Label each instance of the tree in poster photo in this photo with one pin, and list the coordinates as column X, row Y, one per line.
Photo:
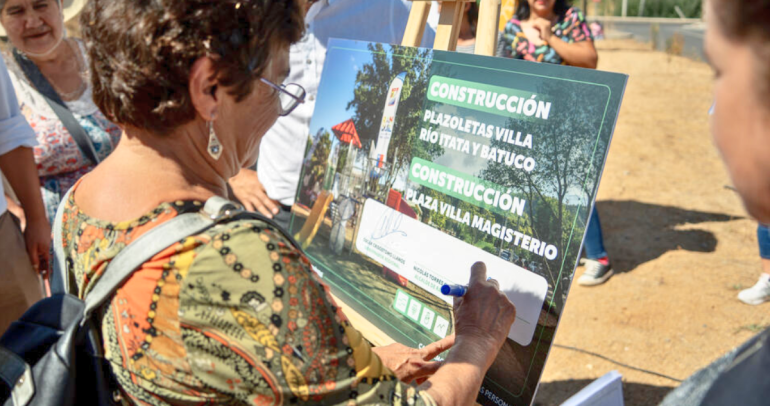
column 371, row 90
column 316, row 168
column 568, row 153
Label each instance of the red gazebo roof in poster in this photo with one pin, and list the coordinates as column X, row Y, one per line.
column 347, row 134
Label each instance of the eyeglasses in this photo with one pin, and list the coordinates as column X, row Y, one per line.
column 291, row 95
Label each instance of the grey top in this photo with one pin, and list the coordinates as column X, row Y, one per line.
column 692, row 391
column 466, row 49
column 738, row 377
column 470, row 49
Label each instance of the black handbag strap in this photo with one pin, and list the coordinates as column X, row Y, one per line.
column 58, row 106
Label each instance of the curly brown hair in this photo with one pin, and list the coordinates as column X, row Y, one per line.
column 141, row 52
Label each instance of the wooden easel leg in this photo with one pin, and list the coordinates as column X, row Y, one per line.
column 415, row 27
column 449, row 25
column 486, row 30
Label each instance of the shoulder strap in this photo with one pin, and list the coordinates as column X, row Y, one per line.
column 140, row 251
column 159, row 238
column 58, row 106
column 216, row 210
column 59, row 279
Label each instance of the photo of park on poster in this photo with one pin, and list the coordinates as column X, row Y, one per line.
column 418, row 160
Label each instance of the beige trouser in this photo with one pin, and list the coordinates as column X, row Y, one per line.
column 19, row 285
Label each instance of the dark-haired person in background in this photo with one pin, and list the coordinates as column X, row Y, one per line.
column 737, row 45
column 466, row 39
column 551, row 31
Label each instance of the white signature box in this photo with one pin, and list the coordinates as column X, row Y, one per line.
column 430, row 258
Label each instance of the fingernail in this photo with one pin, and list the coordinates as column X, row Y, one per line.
column 275, row 211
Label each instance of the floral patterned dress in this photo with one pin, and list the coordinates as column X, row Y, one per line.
column 60, row 163
column 570, row 28
column 233, row 316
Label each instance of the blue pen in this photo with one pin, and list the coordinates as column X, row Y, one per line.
column 455, row 290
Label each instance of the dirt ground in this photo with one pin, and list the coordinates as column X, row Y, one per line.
column 678, row 237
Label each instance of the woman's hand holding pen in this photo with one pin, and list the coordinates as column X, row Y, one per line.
column 484, row 314
column 483, row 317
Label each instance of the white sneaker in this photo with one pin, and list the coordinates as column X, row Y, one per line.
column 595, row 273
column 758, row 293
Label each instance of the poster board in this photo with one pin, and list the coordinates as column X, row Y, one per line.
column 462, row 158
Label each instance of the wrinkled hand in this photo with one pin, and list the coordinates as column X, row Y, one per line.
column 251, row 194
column 37, row 236
column 411, row 364
column 484, row 315
column 544, row 27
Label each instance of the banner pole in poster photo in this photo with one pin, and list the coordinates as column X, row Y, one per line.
column 380, row 154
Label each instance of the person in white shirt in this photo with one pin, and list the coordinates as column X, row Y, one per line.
column 271, row 189
column 21, row 255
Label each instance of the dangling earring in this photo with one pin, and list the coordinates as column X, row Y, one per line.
column 215, row 147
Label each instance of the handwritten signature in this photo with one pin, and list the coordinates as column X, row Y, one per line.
column 388, row 224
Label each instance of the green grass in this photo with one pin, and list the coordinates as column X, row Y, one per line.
column 488, row 247
column 752, row 328
column 653, row 8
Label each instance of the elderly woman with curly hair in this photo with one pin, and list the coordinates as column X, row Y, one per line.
column 50, row 73
column 233, row 315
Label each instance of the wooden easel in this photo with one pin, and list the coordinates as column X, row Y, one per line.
column 449, row 25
